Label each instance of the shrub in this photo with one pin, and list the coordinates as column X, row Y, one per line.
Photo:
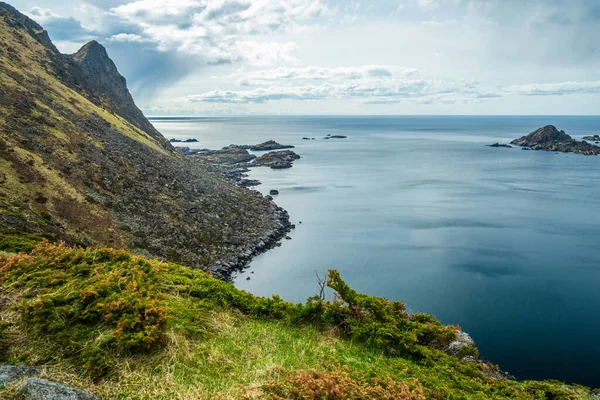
column 468, row 351
column 338, row 384
column 383, row 323
column 88, row 302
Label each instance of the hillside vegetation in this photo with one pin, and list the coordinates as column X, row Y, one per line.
column 126, row 327
column 80, row 163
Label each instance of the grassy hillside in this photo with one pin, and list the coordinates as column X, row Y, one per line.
column 76, row 165
column 125, row 327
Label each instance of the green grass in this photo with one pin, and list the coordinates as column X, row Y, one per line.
column 12, row 242
column 125, row 327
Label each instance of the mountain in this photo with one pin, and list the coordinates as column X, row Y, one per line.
column 79, row 162
column 107, row 88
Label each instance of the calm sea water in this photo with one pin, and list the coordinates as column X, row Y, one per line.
column 504, row 242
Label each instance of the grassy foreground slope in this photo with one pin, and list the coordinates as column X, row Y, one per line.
column 126, row 327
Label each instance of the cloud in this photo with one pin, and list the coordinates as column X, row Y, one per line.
column 223, row 31
column 555, row 89
column 367, row 84
column 128, row 37
column 295, row 75
column 61, row 28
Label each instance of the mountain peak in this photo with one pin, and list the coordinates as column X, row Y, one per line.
column 13, row 17
column 103, row 82
column 92, row 47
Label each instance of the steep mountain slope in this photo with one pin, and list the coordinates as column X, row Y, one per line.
column 107, row 88
column 80, row 162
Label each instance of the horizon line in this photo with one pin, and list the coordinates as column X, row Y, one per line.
column 369, row 115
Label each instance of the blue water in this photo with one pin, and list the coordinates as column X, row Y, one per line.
column 504, row 242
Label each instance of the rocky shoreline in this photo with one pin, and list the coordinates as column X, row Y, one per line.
column 224, row 270
column 234, row 162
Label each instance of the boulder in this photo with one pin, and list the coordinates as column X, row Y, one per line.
column 274, row 192
column 41, row 389
column 11, row 374
column 463, row 339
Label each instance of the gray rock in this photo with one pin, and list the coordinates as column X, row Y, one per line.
column 269, row 145
column 462, row 340
column 10, row 374
column 41, row 389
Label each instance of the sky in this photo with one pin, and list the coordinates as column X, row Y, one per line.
column 337, row 57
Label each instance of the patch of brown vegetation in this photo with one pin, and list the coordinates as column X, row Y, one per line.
column 338, row 384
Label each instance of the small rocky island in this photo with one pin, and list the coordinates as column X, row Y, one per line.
column 549, row 138
column 234, row 161
column 594, row 138
column 277, row 159
column 269, row 145
column 184, row 141
column 500, row 145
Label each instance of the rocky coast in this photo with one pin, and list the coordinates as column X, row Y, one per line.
column 235, row 161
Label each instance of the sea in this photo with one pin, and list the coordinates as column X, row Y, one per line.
column 503, row 242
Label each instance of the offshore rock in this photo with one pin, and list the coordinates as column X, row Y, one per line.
column 594, row 138
column 549, row 138
column 277, row 159
column 269, row 145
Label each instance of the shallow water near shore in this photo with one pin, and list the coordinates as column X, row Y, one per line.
column 504, row 242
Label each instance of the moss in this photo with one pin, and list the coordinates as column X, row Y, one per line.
column 17, row 242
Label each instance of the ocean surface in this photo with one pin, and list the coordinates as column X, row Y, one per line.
column 503, row 242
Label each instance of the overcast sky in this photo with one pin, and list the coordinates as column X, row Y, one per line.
column 214, row 57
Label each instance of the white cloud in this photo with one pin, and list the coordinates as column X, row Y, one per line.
column 223, row 31
column 367, row 84
column 296, row 75
column 556, row 89
column 128, row 37
column 65, row 29
column 42, row 15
